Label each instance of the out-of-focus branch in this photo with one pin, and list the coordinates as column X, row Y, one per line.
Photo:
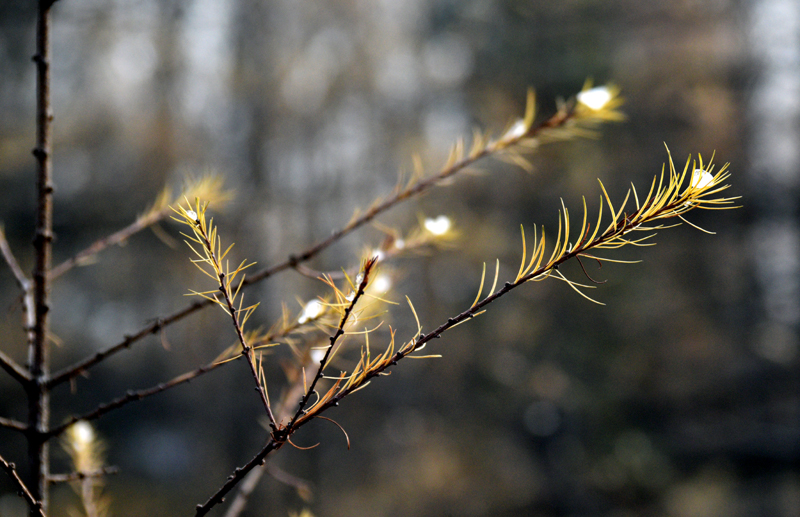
column 76, row 369
column 131, row 396
column 14, row 369
column 22, row 281
column 207, row 187
column 10, row 423
column 34, row 505
column 115, row 238
column 79, row 476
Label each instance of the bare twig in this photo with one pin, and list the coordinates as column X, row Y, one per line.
column 79, row 476
column 157, row 325
column 22, row 281
column 131, row 396
column 10, row 423
column 237, row 476
column 14, row 369
column 34, row 505
column 25, row 286
column 115, row 238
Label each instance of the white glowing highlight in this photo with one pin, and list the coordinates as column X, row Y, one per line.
column 382, row 283
column 517, row 130
column 439, row 225
column 399, row 244
column 310, row 311
column 192, row 214
column 595, row 98
column 82, row 434
column 701, row 178
column 317, row 355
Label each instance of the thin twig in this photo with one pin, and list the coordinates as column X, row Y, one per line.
column 115, row 238
column 132, row 396
column 157, row 325
column 79, row 476
column 14, row 369
column 237, row 476
column 183, row 378
column 22, row 281
column 10, row 423
column 22, row 490
column 250, row 481
column 25, row 286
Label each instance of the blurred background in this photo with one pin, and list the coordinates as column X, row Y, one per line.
column 679, row 397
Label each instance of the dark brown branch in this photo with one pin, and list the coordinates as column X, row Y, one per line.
column 37, row 392
column 250, row 481
column 339, row 333
column 22, row 490
column 76, row 369
column 132, row 396
column 282, row 435
column 236, row 477
column 79, row 476
column 115, row 238
column 10, row 423
column 559, row 119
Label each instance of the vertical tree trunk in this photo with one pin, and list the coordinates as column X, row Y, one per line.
column 38, row 396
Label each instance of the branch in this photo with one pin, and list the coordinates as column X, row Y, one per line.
column 250, row 481
column 38, row 348
column 208, row 187
column 236, row 477
column 115, row 238
column 25, row 286
column 14, row 369
column 666, row 201
column 76, row 369
column 339, row 333
column 281, row 435
column 22, row 490
column 132, row 396
column 547, row 128
column 22, row 281
column 79, row 476
column 10, row 423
